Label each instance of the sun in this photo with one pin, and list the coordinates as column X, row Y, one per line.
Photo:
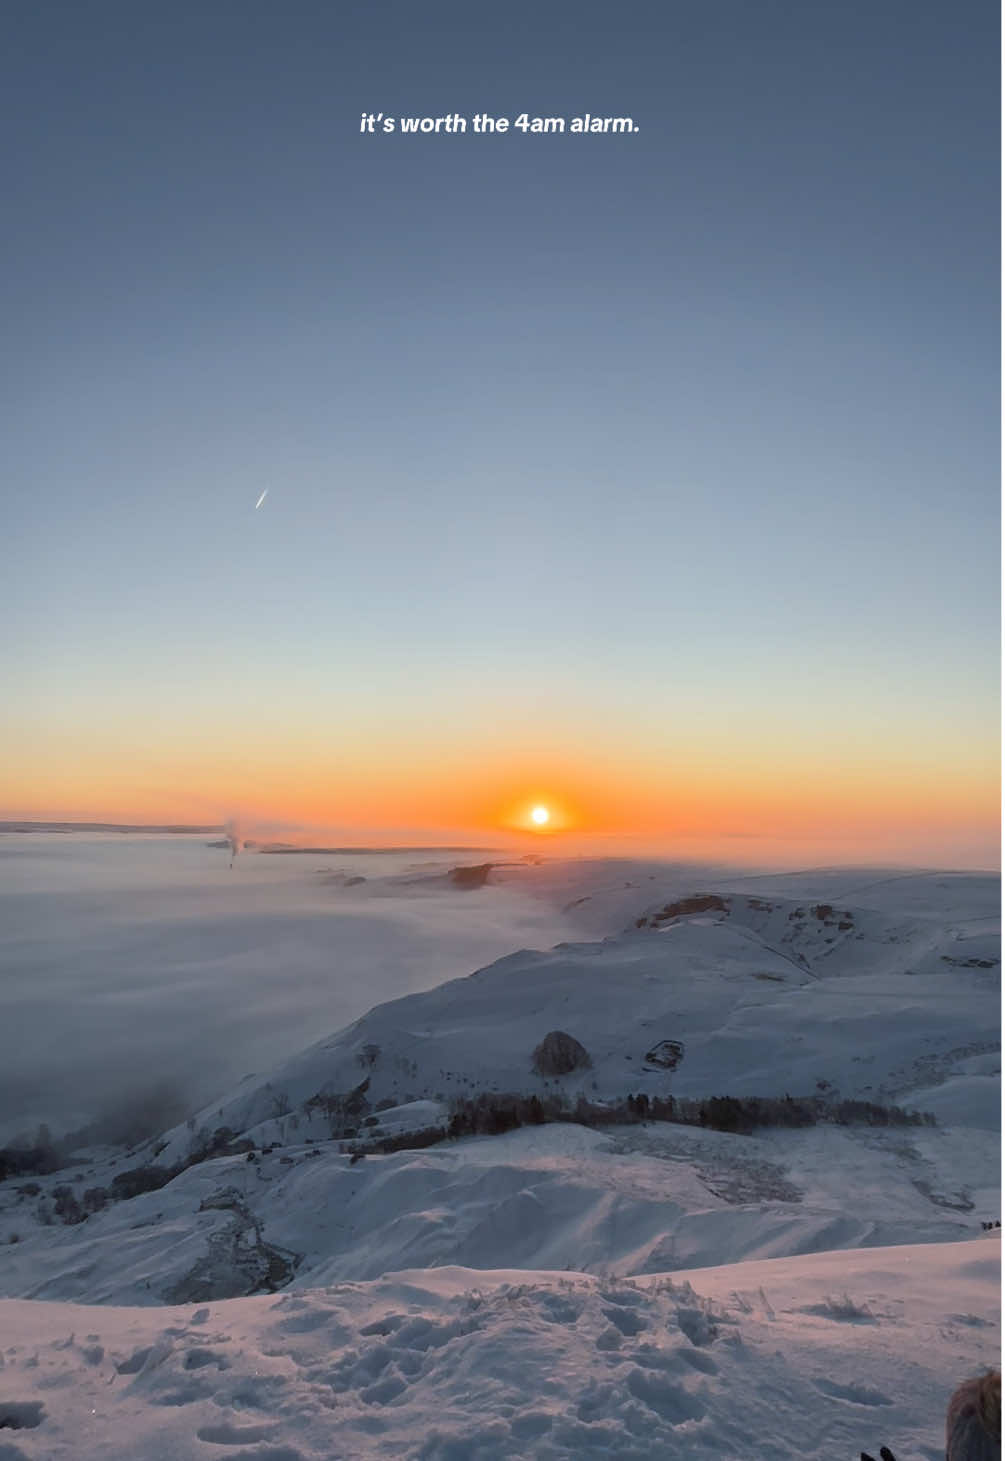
column 539, row 812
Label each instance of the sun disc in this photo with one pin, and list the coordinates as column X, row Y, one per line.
column 539, row 816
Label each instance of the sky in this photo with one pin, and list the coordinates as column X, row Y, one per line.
column 651, row 477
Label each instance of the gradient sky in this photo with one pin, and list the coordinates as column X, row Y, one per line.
column 651, row 476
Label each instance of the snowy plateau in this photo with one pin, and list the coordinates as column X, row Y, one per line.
column 324, row 1265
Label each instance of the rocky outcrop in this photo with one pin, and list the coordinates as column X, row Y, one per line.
column 667, row 1055
column 238, row 1261
column 471, row 877
column 684, row 908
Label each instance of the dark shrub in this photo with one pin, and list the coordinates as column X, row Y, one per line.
column 30, row 1160
column 560, row 1054
column 344, row 1109
column 684, row 908
column 66, row 1207
column 141, row 1179
column 94, row 1199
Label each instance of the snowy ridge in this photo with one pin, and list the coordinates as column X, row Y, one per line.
column 762, row 992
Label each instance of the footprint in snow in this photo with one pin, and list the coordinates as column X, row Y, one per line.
column 184, row 1395
column 855, row 1394
column 384, row 1391
column 698, row 1360
column 198, row 1359
column 388, row 1325
column 305, row 1323
column 146, row 1358
column 624, row 1298
column 267, row 1453
column 651, row 1357
column 626, row 1320
column 670, row 1402
column 530, row 1425
column 696, row 1326
column 560, row 1308
column 21, row 1415
column 225, row 1434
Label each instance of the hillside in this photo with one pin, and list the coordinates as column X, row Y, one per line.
column 766, row 995
column 704, row 994
column 633, row 1289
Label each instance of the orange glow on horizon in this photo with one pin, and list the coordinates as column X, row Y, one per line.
column 479, row 790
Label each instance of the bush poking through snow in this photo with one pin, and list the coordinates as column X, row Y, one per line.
column 684, row 908
column 66, row 1207
column 405, row 1141
column 39, row 1158
column 142, row 1179
column 844, row 1309
column 490, row 1114
column 560, row 1054
column 344, row 1109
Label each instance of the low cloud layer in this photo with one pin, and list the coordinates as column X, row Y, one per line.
column 145, row 971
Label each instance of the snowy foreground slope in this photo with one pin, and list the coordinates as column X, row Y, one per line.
column 639, row 1290
column 813, row 1357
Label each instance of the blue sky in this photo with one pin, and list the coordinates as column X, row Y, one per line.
column 699, row 423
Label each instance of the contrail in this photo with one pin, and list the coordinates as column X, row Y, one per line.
column 261, row 499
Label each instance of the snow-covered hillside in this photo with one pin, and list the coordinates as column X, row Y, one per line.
column 816, row 1326
column 628, row 1200
column 766, row 994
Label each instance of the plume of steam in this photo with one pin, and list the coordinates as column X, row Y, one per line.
column 235, row 837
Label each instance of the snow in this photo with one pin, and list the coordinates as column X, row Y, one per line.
column 555, row 1292
column 814, row 1357
column 968, row 1100
column 627, row 1200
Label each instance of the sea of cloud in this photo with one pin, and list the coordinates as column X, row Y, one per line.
column 145, row 972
